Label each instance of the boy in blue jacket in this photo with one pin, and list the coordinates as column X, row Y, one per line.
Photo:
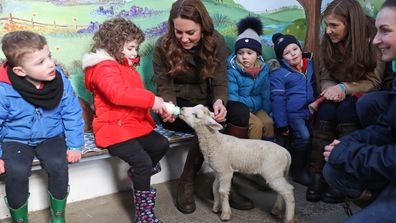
column 248, row 80
column 40, row 116
column 291, row 93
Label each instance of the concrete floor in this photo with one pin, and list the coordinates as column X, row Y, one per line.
column 118, row 208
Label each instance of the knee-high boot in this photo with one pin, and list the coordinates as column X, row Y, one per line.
column 324, row 132
column 18, row 215
column 185, row 201
column 236, row 199
column 344, row 129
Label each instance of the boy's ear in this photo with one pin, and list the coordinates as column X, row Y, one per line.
column 19, row 71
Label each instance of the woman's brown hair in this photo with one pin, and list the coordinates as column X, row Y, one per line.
column 113, row 34
column 359, row 56
column 175, row 54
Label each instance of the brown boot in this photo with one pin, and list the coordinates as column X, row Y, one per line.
column 185, row 201
column 364, row 199
column 237, row 131
column 323, row 133
column 238, row 201
column 346, row 128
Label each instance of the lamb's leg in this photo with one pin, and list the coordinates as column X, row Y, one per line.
column 285, row 189
column 278, row 206
column 224, row 189
column 216, row 201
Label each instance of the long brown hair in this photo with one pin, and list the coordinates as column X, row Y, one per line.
column 113, row 34
column 175, row 54
column 360, row 56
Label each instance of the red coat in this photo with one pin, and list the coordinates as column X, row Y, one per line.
column 122, row 105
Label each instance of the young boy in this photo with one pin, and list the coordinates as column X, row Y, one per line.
column 248, row 80
column 40, row 116
column 291, row 93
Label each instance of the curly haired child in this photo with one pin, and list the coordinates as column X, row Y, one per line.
column 123, row 123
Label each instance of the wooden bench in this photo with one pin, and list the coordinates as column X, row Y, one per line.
column 92, row 152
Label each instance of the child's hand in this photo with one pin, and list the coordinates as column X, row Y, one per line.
column 2, row 168
column 219, row 110
column 286, row 133
column 159, row 106
column 73, row 156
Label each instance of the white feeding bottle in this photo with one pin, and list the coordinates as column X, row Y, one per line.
column 172, row 109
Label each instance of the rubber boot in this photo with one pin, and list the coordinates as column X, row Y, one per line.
column 300, row 173
column 144, row 206
column 57, row 209
column 20, row 214
column 324, row 132
column 185, row 201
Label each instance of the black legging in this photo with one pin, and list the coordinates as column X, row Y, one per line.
column 237, row 114
column 142, row 154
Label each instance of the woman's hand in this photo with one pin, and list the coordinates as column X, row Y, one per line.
column 219, row 110
column 329, row 148
column 334, row 93
column 167, row 117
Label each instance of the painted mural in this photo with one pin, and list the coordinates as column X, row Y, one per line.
column 69, row 24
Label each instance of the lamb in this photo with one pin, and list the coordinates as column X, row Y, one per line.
column 227, row 154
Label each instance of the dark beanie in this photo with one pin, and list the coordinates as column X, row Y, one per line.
column 281, row 42
column 249, row 31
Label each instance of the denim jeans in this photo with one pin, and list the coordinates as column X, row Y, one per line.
column 300, row 136
column 18, row 159
column 370, row 106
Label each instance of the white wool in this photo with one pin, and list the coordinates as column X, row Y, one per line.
column 227, row 154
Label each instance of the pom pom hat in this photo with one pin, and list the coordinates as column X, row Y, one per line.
column 281, row 42
column 249, row 31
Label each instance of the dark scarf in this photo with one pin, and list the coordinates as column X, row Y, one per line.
column 48, row 97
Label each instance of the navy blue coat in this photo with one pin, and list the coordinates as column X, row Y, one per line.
column 291, row 92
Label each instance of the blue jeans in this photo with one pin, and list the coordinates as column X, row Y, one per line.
column 300, row 136
column 18, row 159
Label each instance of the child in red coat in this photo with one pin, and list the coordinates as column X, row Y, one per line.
column 122, row 122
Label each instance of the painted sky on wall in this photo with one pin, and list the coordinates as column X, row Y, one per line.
column 261, row 6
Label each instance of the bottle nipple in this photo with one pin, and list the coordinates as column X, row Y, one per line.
column 172, row 109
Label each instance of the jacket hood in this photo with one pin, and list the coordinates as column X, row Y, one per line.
column 232, row 63
column 3, row 73
column 91, row 59
column 276, row 64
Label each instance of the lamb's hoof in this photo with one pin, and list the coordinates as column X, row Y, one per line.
column 289, row 221
column 276, row 212
column 225, row 216
column 216, row 210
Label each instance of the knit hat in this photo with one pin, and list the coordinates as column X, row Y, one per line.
column 281, row 42
column 249, row 31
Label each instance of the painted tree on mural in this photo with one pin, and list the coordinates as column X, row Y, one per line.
column 313, row 17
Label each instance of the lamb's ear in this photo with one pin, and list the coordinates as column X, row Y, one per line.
column 210, row 122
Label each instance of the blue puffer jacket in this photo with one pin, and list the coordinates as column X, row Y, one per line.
column 254, row 93
column 22, row 122
column 291, row 92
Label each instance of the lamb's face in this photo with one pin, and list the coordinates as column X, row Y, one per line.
column 198, row 115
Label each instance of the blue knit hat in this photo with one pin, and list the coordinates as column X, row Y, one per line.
column 281, row 42
column 249, row 30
